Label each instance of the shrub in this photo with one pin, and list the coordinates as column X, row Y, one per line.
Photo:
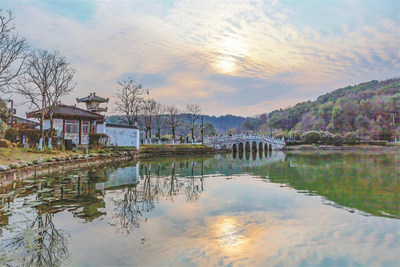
column 11, row 134
column 32, row 136
column 98, row 140
column 293, row 143
column 337, row 140
column 3, row 128
column 326, row 138
column 166, row 138
column 311, row 137
column 351, row 138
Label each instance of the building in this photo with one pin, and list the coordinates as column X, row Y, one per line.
column 118, row 134
column 93, row 102
column 76, row 124
column 70, row 123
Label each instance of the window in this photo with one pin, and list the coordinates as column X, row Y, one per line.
column 85, row 127
column 71, row 126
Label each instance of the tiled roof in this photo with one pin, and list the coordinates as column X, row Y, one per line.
column 68, row 112
column 24, row 121
column 122, row 126
column 113, row 122
column 92, row 97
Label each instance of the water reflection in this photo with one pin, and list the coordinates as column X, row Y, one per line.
column 34, row 240
column 231, row 219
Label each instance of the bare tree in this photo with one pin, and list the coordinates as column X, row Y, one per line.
column 147, row 115
column 192, row 116
column 63, row 84
column 159, row 118
column 47, row 78
column 12, row 52
column 129, row 100
column 174, row 119
column 37, row 242
column 4, row 112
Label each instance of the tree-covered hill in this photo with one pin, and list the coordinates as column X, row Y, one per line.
column 223, row 123
column 369, row 109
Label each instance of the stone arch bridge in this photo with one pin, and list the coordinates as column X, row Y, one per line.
column 245, row 142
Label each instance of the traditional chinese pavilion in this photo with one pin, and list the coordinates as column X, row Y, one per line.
column 76, row 124
column 70, row 122
column 93, row 103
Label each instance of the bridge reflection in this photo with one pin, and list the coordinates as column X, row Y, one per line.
column 253, row 154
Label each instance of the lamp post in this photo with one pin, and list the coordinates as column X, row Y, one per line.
column 12, row 111
column 202, row 129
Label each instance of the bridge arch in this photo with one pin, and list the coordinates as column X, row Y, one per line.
column 254, row 146
column 241, row 148
column 234, row 148
column 260, row 146
column 270, row 147
column 247, row 146
column 247, row 154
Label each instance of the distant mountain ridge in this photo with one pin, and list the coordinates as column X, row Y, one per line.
column 221, row 123
column 226, row 122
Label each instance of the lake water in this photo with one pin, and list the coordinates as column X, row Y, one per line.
column 308, row 209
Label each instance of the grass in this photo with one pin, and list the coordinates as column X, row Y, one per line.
column 15, row 154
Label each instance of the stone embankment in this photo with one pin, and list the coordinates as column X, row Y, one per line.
column 147, row 151
column 22, row 170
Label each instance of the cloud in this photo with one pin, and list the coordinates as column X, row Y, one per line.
column 230, row 53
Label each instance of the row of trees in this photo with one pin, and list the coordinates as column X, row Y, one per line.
column 40, row 76
column 133, row 108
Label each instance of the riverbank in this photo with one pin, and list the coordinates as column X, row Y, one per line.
column 390, row 147
column 147, row 151
column 18, row 164
column 45, row 163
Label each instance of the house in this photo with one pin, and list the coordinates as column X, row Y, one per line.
column 70, row 122
column 19, row 122
column 76, row 124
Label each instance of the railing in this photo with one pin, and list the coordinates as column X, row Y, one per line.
column 239, row 137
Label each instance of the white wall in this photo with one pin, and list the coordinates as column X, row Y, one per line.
column 123, row 136
column 46, row 124
column 101, row 128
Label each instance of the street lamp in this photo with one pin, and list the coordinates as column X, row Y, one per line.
column 12, row 111
column 202, row 129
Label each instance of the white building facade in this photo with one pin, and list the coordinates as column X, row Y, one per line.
column 120, row 135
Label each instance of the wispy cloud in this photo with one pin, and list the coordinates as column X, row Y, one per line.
column 225, row 52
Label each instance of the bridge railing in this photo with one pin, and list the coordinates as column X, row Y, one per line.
column 242, row 137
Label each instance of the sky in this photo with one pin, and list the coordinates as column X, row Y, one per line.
column 241, row 57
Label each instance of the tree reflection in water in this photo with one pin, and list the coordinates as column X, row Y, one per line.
column 35, row 242
column 137, row 200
